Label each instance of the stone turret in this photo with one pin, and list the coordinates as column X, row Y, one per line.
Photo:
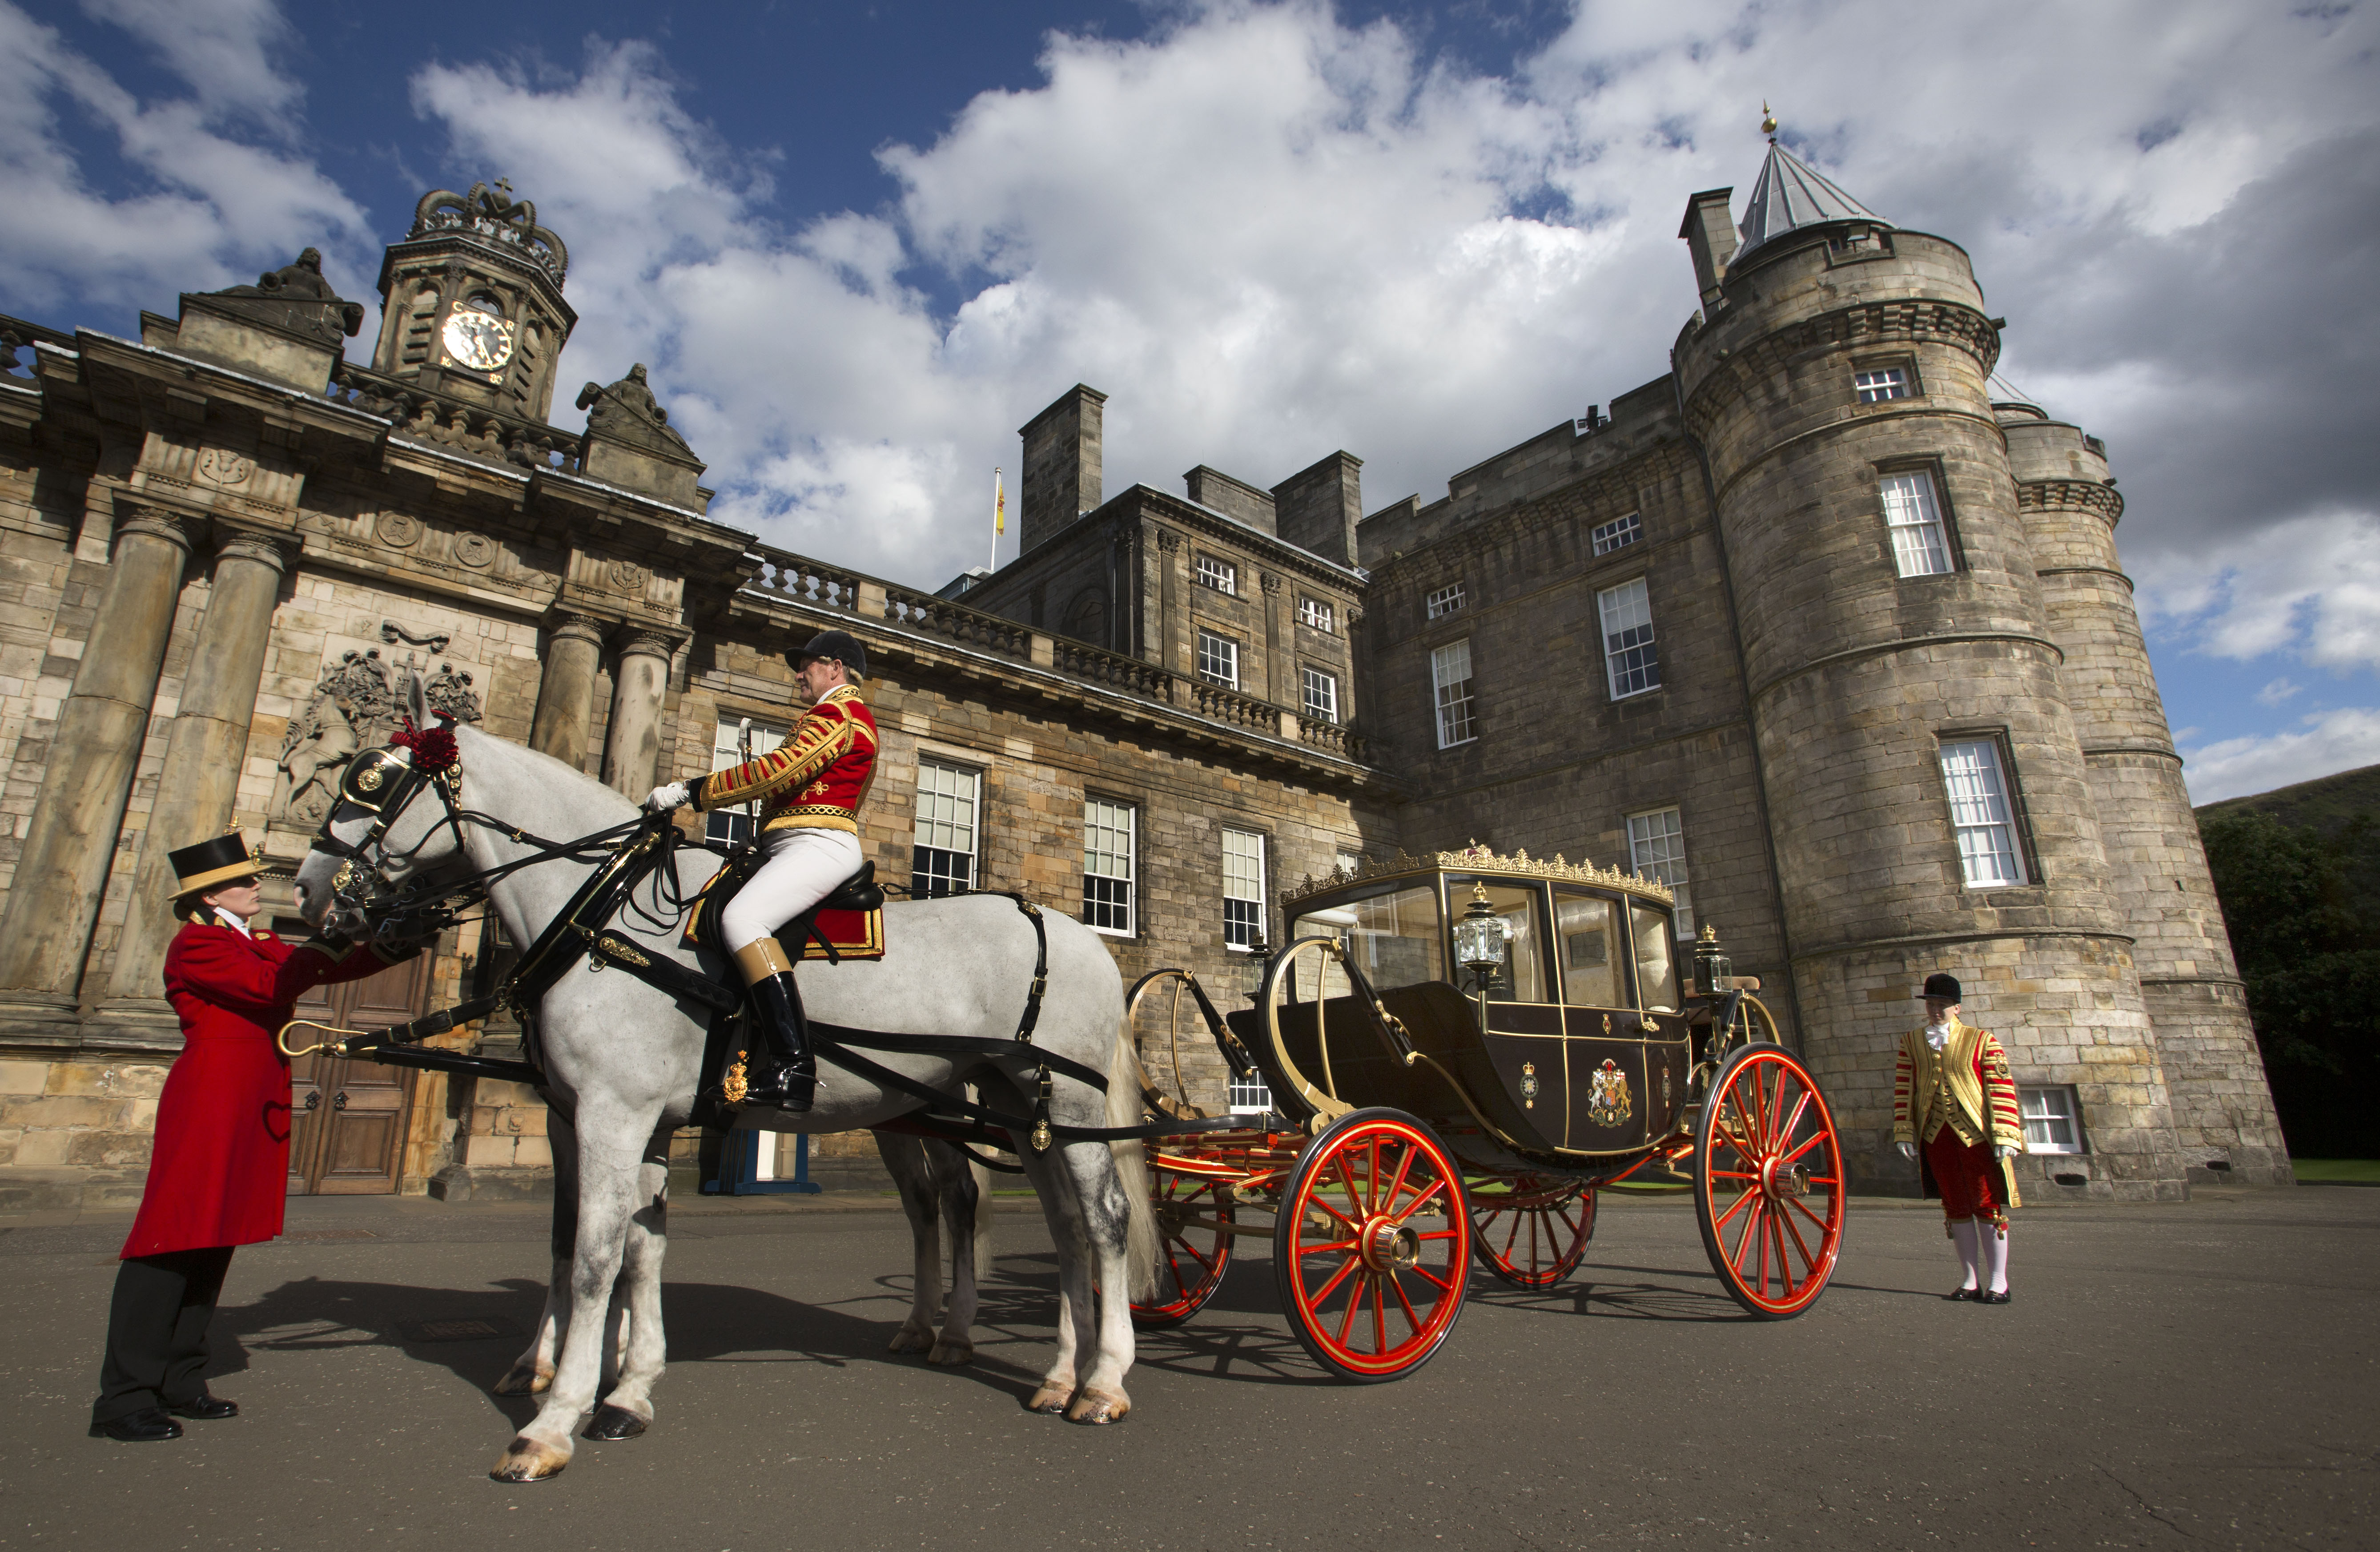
column 472, row 302
column 2223, row 1115
column 1930, row 799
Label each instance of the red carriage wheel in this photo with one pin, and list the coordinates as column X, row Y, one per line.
column 1191, row 1255
column 1533, row 1232
column 1368, row 1247
column 1769, row 1182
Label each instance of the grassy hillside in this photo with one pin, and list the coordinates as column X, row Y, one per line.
column 2328, row 806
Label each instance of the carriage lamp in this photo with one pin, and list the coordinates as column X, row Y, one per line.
column 1480, row 937
column 1253, row 973
column 1714, row 971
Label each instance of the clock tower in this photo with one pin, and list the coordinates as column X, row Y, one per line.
column 472, row 302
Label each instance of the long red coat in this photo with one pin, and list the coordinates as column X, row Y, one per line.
column 219, row 1172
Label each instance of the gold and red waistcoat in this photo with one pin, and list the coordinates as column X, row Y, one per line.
column 1966, row 1085
column 815, row 780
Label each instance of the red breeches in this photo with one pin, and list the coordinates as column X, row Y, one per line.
column 1972, row 1182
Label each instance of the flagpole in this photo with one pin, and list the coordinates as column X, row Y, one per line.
column 999, row 517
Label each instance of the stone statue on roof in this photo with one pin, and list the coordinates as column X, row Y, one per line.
column 296, row 297
column 627, row 411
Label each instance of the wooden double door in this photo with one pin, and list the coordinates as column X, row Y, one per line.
column 350, row 1117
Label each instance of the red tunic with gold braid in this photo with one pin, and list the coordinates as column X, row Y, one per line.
column 1959, row 1105
column 817, row 780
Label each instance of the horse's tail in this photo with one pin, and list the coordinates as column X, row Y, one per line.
column 1132, row 1162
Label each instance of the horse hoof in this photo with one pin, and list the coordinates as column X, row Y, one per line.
column 525, row 1378
column 525, row 1460
column 912, row 1339
column 1049, row 1400
column 952, row 1354
column 1100, row 1407
column 615, row 1422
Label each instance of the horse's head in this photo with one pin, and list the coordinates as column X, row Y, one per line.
column 390, row 838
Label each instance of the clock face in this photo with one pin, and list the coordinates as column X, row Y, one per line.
column 478, row 339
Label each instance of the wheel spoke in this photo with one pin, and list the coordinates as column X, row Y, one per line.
column 1809, row 1262
column 1406, row 1304
column 1371, row 1175
column 1792, row 1122
column 1440, row 1234
column 1813, row 1218
column 1721, row 1221
column 1196, row 1257
column 1751, row 1222
column 1353, row 1264
column 1404, row 1166
column 1426, row 1275
column 1436, row 1186
column 1354, row 1302
column 1816, row 1138
column 1347, row 1179
column 1379, row 1318
column 1510, row 1235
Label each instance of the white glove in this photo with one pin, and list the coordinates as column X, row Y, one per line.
column 1908, row 1150
column 665, row 798
column 2006, row 1150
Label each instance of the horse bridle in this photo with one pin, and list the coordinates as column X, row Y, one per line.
column 383, row 783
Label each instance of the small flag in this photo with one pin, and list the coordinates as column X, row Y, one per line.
column 999, row 505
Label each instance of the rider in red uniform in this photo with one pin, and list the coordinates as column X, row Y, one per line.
column 811, row 791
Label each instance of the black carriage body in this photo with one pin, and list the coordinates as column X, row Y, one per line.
column 1584, row 1055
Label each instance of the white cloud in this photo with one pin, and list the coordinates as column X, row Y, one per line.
column 2332, row 742
column 2280, row 689
column 2307, row 586
column 216, row 207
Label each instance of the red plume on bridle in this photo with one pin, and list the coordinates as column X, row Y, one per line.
column 434, row 749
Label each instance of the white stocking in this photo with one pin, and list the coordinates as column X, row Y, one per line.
column 1962, row 1234
column 1996, row 1255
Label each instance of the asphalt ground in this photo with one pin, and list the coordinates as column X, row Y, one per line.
column 2188, row 1375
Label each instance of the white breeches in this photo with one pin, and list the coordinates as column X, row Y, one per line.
column 804, row 867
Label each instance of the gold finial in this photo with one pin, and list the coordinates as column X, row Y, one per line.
column 1767, row 119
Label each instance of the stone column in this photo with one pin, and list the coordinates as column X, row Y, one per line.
column 565, row 695
column 200, row 785
column 632, row 743
column 94, row 753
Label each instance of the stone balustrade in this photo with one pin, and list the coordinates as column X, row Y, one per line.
column 421, row 416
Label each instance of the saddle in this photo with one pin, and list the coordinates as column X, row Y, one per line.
column 848, row 924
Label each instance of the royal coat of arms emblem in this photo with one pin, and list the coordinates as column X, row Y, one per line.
column 1607, row 1103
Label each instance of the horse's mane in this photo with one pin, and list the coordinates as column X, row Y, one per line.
column 557, row 780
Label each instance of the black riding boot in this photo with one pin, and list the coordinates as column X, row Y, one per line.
column 786, row 1076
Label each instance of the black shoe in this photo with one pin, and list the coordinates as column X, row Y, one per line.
column 206, row 1409
column 1999, row 1298
column 1964, row 1295
column 787, row 1077
column 147, row 1425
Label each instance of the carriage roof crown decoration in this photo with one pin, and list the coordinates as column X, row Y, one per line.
column 1477, row 858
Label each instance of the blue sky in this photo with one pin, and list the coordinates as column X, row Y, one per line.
column 859, row 245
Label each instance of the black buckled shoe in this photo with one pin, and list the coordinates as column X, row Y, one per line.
column 1963, row 1295
column 1999, row 1298
column 787, row 1077
column 205, row 1409
column 149, row 1425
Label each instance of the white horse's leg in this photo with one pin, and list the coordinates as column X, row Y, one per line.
column 1075, row 1300
column 959, row 1192
column 1104, row 1213
column 533, row 1369
column 905, row 1160
column 628, row 1407
column 609, row 1172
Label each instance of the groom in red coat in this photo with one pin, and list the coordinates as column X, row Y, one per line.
column 219, row 1169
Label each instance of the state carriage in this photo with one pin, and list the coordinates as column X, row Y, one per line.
column 1460, row 1053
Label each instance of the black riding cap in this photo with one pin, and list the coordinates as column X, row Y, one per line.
column 840, row 646
column 211, row 863
column 1940, row 985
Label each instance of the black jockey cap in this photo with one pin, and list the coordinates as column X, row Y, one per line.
column 840, row 646
column 211, row 864
column 1944, row 986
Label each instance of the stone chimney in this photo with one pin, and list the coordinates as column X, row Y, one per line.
column 1318, row 508
column 1061, row 464
column 1710, row 232
column 1213, row 487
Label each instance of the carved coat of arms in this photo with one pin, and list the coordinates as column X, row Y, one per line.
column 1607, row 1101
column 354, row 707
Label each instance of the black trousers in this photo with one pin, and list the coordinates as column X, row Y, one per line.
column 157, row 1331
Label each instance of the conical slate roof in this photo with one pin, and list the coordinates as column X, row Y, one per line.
column 1791, row 196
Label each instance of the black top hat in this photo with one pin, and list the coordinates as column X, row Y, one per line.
column 841, row 645
column 1944, row 986
column 212, row 863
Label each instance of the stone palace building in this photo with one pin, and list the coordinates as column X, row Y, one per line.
column 1809, row 626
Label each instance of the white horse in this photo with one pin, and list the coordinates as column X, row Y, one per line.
column 621, row 1062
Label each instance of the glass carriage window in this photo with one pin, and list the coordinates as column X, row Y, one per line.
column 1656, row 849
column 2052, row 1119
column 733, row 825
column 1322, row 695
column 1523, row 979
column 1395, row 941
column 1445, row 601
column 1618, row 533
column 1315, row 612
column 1914, row 514
column 1221, row 575
column 1108, row 830
column 1583, row 940
column 1884, row 383
column 1244, row 889
column 1218, row 659
column 1450, row 673
column 1981, row 813
column 1656, row 964
column 1630, row 659
column 942, row 860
